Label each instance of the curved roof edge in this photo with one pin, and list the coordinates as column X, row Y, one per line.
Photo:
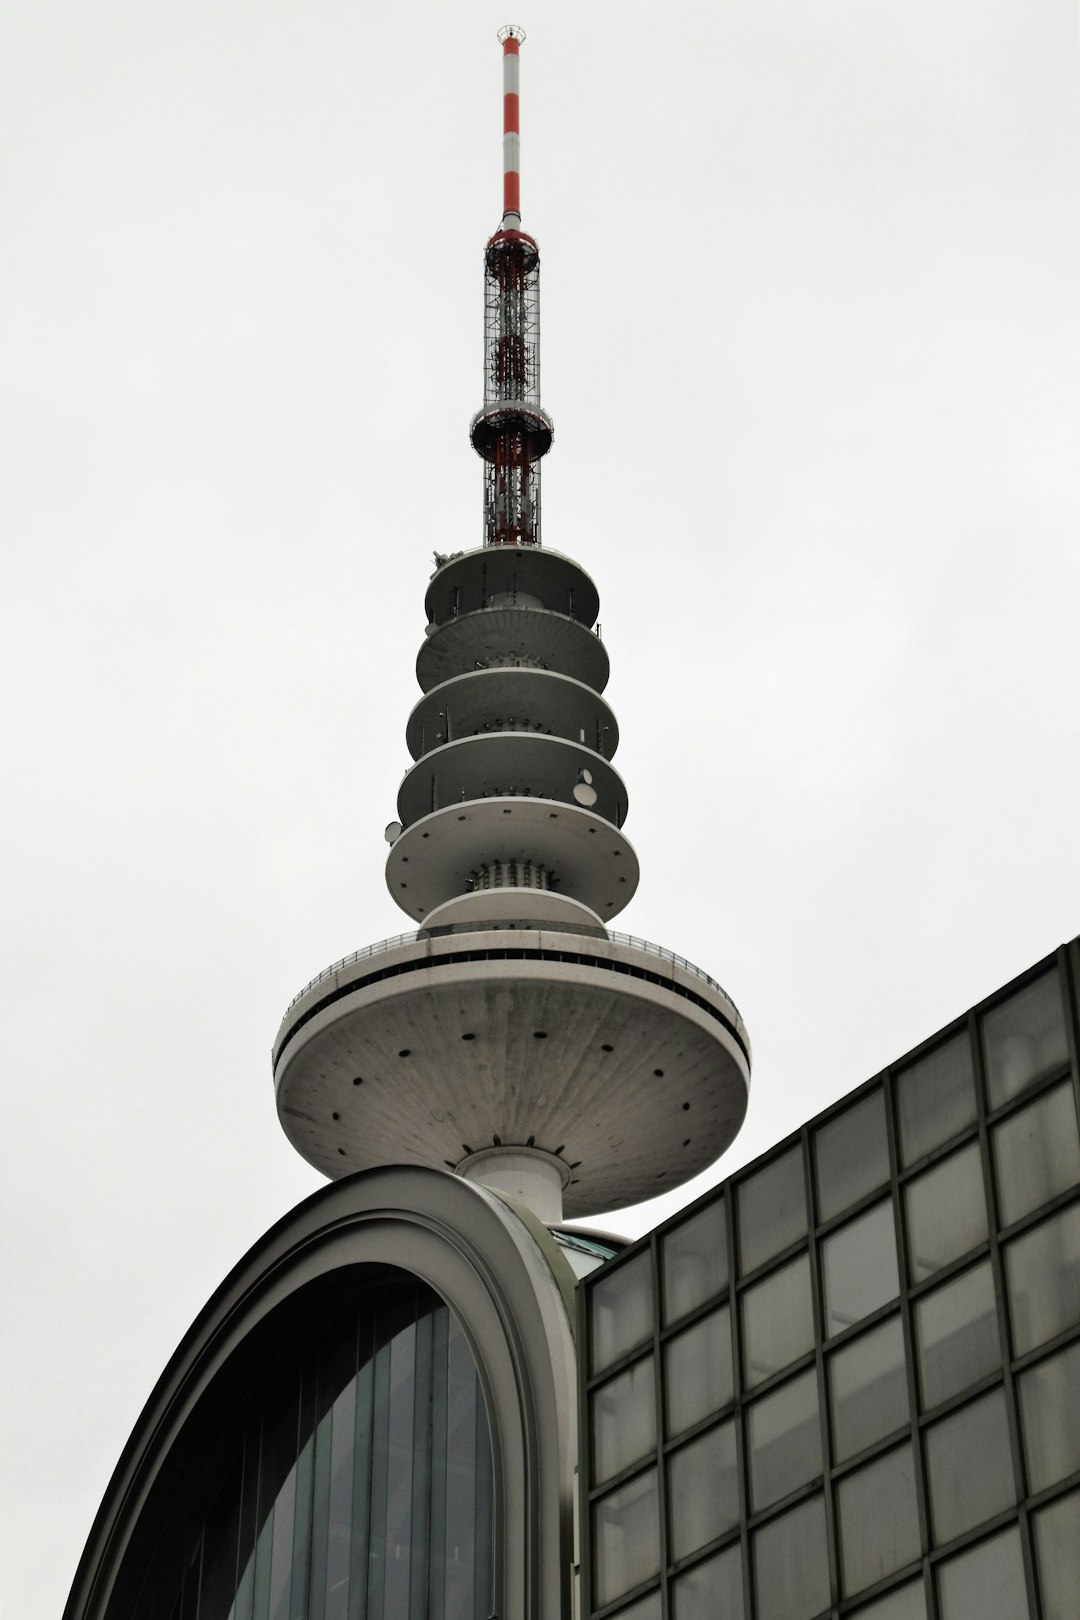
column 506, row 1288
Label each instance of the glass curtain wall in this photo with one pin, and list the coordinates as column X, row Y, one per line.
column 845, row 1385
column 363, row 1488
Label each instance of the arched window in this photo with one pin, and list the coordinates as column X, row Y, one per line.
column 360, row 1486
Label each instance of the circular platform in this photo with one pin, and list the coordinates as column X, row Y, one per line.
column 535, row 637
column 630, row 1069
column 504, row 764
column 468, row 581
column 524, row 419
column 432, row 860
column 539, row 699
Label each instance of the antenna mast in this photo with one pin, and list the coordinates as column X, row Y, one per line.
column 510, row 431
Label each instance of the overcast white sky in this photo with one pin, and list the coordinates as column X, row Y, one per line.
column 811, row 337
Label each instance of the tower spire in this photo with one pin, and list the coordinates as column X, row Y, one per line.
column 510, row 431
column 514, row 1038
column 511, row 39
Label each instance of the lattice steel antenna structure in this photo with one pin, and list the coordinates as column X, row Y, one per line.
column 513, row 1038
column 511, row 431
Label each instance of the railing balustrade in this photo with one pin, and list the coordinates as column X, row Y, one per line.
column 631, row 940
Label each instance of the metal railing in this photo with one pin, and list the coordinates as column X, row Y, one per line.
column 631, row 940
column 353, row 956
column 668, row 956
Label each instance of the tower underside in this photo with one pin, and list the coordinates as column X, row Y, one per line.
column 626, row 1069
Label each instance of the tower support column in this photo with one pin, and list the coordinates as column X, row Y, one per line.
column 527, row 1174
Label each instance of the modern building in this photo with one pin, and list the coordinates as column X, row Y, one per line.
column 844, row 1383
column 847, row 1381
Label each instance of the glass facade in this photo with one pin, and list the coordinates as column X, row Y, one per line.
column 361, row 1489
column 858, row 1360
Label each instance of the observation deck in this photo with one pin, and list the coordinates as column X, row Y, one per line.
column 508, row 637
column 618, row 1063
column 472, row 579
column 436, row 858
column 514, row 700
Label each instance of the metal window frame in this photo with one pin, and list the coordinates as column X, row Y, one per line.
column 1066, row 962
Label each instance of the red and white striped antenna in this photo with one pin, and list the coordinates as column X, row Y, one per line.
column 511, row 38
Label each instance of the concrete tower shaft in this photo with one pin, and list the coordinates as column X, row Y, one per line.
column 513, row 1037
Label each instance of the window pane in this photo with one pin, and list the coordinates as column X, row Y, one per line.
column 956, row 1332
column 344, row 1473
column 985, row 1583
column 858, row 1264
column 879, row 1520
column 1024, row 1039
column 695, row 1261
column 646, row 1608
column 626, row 1538
column 620, row 1311
column 852, row 1155
column 778, row 1322
column 697, row 1371
column 1043, row 1269
column 703, row 1490
column 1050, row 1402
column 935, row 1098
column 784, row 1439
column 772, row 1210
column 907, row 1604
column 623, row 1420
column 1057, row 1546
column 1036, row 1154
column 946, row 1213
column 869, row 1389
column 712, row 1590
column 971, row 1475
column 791, row 1564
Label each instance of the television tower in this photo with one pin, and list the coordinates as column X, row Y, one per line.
column 514, row 1038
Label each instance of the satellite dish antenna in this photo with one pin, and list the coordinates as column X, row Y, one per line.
column 585, row 794
column 430, row 629
column 393, row 832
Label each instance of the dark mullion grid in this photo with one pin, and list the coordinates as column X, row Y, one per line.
column 970, row 1392
column 997, row 1266
column 907, row 1328
column 1070, row 983
column 739, row 1389
column 1035, row 1217
column 1050, row 1493
column 817, row 1308
column 907, row 1174
column 869, row 1454
column 1031, row 1093
column 984, row 1531
column 1046, row 1351
column 855, row 1330
column 777, row 1261
column 1067, row 961
column 659, row 1394
column 742, row 1461
column 584, row 1469
column 876, row 1195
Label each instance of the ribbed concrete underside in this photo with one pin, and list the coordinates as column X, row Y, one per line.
column 636, row 1120
column 506, row 634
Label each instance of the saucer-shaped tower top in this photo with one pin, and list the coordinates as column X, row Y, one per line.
column 513, row 1037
